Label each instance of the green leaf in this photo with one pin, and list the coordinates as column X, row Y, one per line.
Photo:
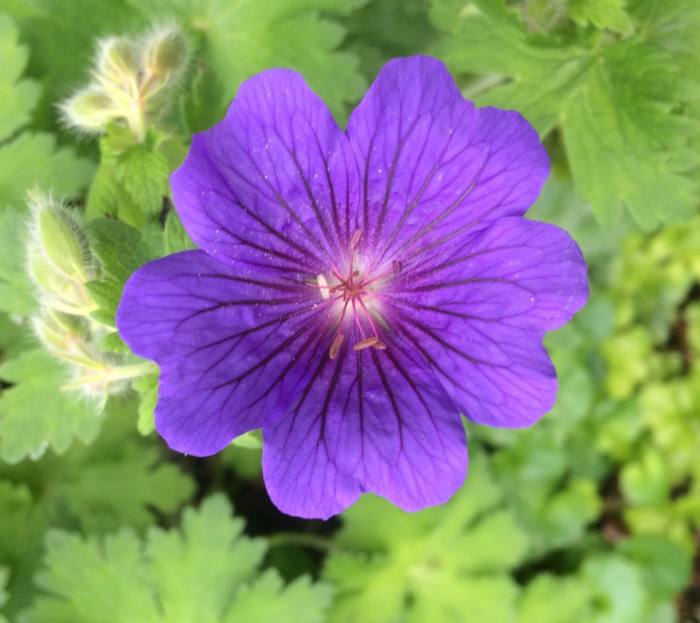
column 670, row 413
column 244, row 461
column 607, row 589
column 240, row 38
column 628, row 355
column 17, row 98
column 113, row 343
column 267, row 600
column 147, row 388
column 117, row 481
column 452, row 561
column 604, row 14
column 203, row 103
column 132, row 179
column 383, row 29
column 20, row 540
column 143, row 184
column 34, row 160
column 16, row 296
column 548, row 599
column 175, row 237
column 252, row 440
column 14, row 337
column 646, row 482
column 4, row 574
column 619, row 590
column 666, row 565
column 36, row 413
column 30, row 159
column 634, row 151
column 103, row 197
column 120, row 249
column 623, row 106
column 565, row 515
column 205, row 571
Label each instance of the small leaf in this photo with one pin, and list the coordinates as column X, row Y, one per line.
column 4, row 575
column 446, row 563
column 175, row 237
column 646, row 482
column 17, row 98
column 16, row 295
column 667, row 566
column 204, row 571
column 36, row 414
column 147, row 388
column 143, row 184
column 604, row 14
column 120, row 250
column 33, row 159
column 116, row 482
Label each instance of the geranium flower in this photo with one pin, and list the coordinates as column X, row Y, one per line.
column 356, row 291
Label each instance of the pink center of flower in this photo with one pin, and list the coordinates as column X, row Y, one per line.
column 353, row 292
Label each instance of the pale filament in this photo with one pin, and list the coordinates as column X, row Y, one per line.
column 351, row 290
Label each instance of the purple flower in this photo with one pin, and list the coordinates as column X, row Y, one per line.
column 356, row 291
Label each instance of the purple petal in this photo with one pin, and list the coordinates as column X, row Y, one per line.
column 368, row 421
column 239, row 352
column 275, row 183
column 479, row 313
column 223, row 342
column 356, row 291
column 433, row 166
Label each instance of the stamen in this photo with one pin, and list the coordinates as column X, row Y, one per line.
column 395, row 269
column 369, row 318
column 357, row 319
column 350, row 290
column 323, row 286
column 335, row 346
column 366, row 343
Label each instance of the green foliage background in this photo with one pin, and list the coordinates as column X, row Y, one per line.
column 593, row 515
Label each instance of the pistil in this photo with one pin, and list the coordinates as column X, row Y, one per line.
column 352, row 290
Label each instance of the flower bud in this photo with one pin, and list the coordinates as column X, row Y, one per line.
column 118, row 61
column 165, row 53
column 58, row 258
column 90, row 109
column 61, row 238
column 64, row 336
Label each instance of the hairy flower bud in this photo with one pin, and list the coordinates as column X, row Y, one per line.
column 63, row 241
column 131, row 80
column 58, row 257
column 118, row 61
column 90, row 109
column 63, row 335
column 165, row 53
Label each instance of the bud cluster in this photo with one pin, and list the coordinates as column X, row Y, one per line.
column 60, row 265
column 131, row 81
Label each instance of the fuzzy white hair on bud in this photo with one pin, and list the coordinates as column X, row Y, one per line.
column 132, row 78
column 58, row 256
column 89, row 110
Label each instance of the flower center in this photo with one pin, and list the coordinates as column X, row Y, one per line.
column 353, row 291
